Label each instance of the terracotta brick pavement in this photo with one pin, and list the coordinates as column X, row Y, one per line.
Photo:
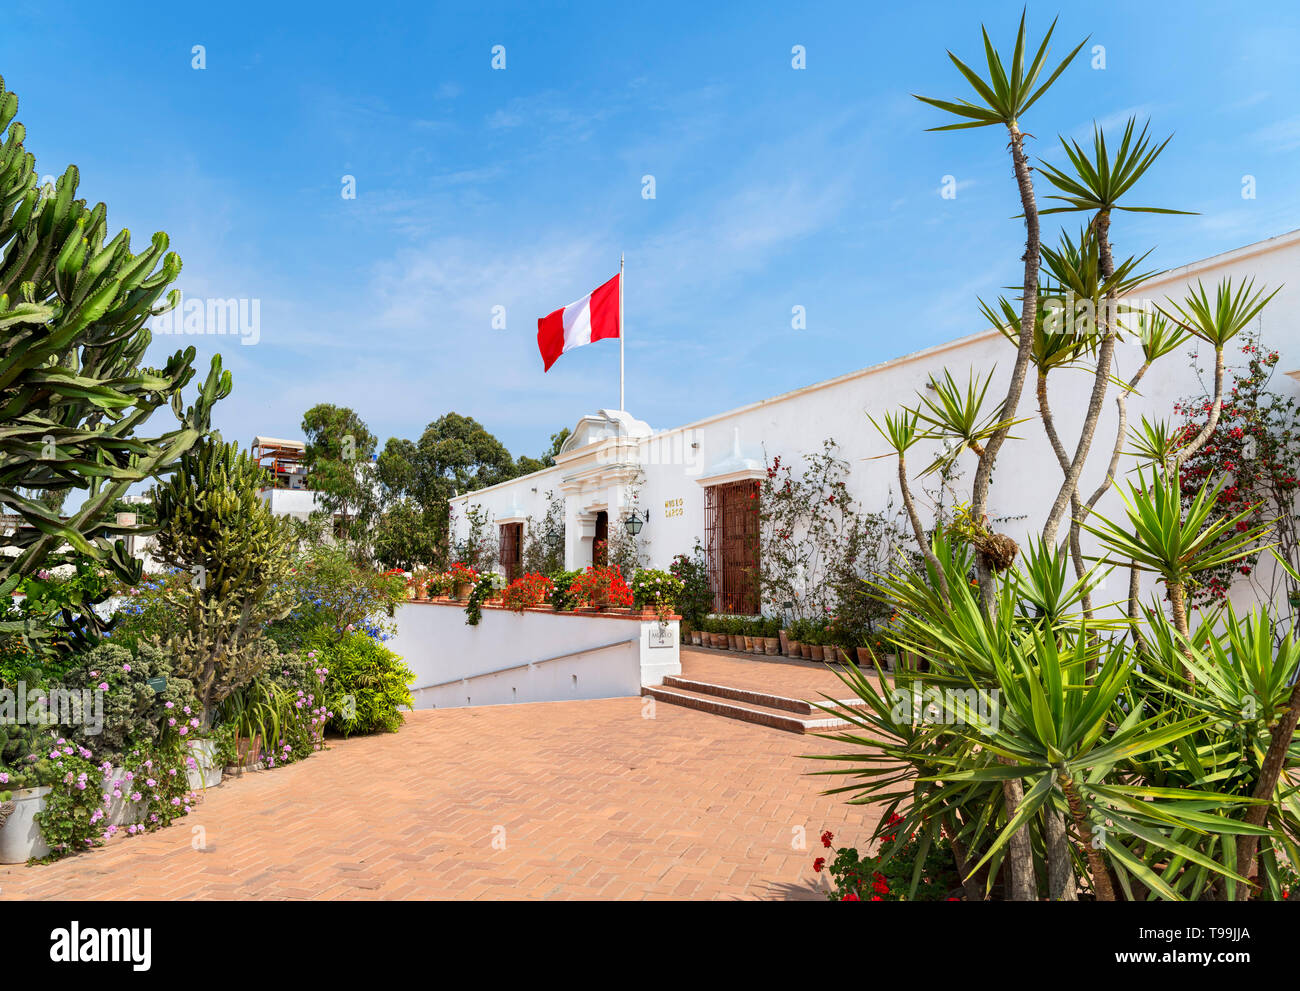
column 584, row 799
column 806, row 680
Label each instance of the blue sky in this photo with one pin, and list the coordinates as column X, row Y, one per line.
column 477, row 187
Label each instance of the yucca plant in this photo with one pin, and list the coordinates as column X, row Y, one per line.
column 1147, row 764
column 1216, row 324
column 1158, row 536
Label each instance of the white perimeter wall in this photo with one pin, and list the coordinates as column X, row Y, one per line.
column 1027, row 476
column 440, row 647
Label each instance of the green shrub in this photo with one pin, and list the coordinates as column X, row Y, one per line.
column 695, row 601
column 367, row 686
column 333, row 596
column 134, row 715
column 562, row 599
column 279, row 717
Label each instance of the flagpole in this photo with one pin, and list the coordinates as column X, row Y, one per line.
column 621, row 332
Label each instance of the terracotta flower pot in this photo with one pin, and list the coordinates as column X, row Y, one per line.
column 805, row 651
column 865, row 657
column 784, row 641
column 771, row 646
column 817, row 652
column 793, row 648
column 461, row 591
column 757, row 644
column 696, row 637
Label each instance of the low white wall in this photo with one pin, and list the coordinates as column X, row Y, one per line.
column 500, row 661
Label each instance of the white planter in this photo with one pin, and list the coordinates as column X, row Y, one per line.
column 122, row 811
column 20, row 836
column 208, row 773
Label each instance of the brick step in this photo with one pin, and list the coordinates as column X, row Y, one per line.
column 751, row 696
column 762, row 715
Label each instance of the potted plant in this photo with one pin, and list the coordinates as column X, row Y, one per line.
column 601, row 585
column 24, row 787
column 771, row 640
column 816, row 642
column 656, row 592
column 794, row 642
column 461, row 578
column 527, row 592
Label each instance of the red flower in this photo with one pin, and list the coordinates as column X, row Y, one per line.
column 818, row 864
column 851, row 897
column 826, row 838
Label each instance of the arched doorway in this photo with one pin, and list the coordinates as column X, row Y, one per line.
column 600, row 545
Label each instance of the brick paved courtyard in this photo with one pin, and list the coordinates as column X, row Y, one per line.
column 583, row 800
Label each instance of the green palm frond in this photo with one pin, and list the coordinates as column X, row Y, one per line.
column 1053, row 347
column 1219, row 322
column 1161, row 536
column 1099, row 181
column 1003, row 97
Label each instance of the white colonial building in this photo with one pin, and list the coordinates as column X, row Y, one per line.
column 684, row 482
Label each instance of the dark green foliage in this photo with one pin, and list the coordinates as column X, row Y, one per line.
column 696, row 599
column 73, row 308
column 134, row 714
column 214, row 525
column 368, row 685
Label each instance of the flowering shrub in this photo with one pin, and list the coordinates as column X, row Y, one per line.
column 488, row 584
column 601, row 585
column 658, row 590
column 135, row 715
column 144, row 613
column 854, row 877
column 1256, row 443
column 151, row 783
column 462, row 574
column 333, row 596
column 805, row 522
column 527, row 592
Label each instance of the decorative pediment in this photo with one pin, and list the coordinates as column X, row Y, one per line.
column 605, row 425
column 735, row 467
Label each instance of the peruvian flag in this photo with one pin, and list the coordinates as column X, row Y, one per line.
column 592, row 318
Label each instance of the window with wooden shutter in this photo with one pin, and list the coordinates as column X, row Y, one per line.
column 731, row 540
column 511, row 558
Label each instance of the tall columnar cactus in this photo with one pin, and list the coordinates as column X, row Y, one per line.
column 214, row 525
column 73, row 392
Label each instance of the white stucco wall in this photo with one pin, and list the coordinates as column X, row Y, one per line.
column 1027, row 476
column 454, row 662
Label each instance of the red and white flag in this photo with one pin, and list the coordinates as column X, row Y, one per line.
column 593, row 318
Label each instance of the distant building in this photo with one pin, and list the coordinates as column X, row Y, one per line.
column 289, row 493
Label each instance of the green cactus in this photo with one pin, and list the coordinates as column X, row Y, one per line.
column 73, row 393
column 213, row 523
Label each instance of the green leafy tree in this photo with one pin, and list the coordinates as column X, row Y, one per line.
column 339, row 448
